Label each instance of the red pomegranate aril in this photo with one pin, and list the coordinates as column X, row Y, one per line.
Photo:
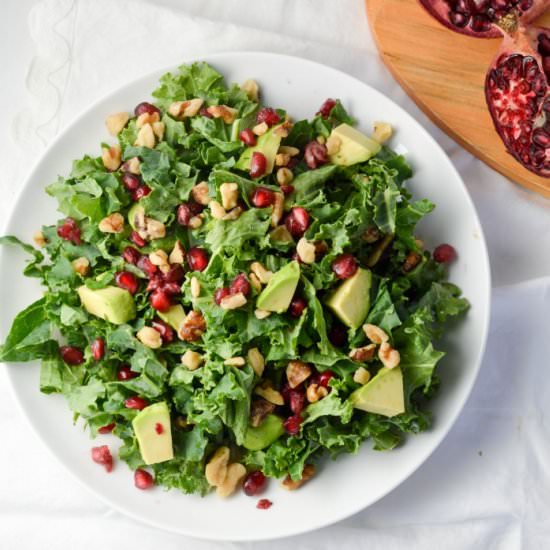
column 165, row 330
column 315, row 154
column 71, row 355
column 287, row 189
column 159, row 428
column 444, row 253
column 263, row 197
column 143, row 480
column 160, row 300
column 144, row 263
column 174, row 275
column 127, row 280
column 102, row 455
column 140, row 192
column 130, row 181
column 98, row 349
column 297, row 401
column 184, row 214
column 248, row 137
column 69, row 231
column 344, row 266
column 125, row 373
column 325, row 377
column 240, row 284
column 204, row 112
column 292, row 424
column 136, row 238
column 326, row 108
column 146, row 107
column 197, row 259
column 107, row 429
column 131, row 255
column 254, row 483
column 258, row 165
column 297, row 306
column 135, row 402
column 297, row 221
column 268, row 115
column 171, row 288
column 264, row 504
column 220, row 294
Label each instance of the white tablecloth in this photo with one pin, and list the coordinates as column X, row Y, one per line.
column 488, row 485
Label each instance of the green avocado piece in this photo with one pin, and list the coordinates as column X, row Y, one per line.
column 383, row 394
column 137, row 211
column 111, row 303
column 278, row 293
column 154, row 433
column 268, row 145
column 351, row 300
column 265, row 434
column 355, row 146
column 173, row 316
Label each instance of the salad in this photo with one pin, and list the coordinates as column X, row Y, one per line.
column 234, row 294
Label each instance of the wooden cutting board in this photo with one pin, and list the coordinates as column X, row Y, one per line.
column 444, row 73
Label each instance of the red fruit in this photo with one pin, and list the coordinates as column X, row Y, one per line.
column 297, row 221
column 135, row 402
column 325, row 377
column 144, row 263
column 315, row 154
column 204, row 112
column 131, row 255
column 159, row 428
column 160, row 300
column 184, row 214
column 127, row 280
column 264, row 504
column 240, row 284
column 297, row 306
column 258, row 165
column 174, row 275
column 248, row 137
column 517, row 94
column 326, row 108
column 254, row 483
column 166, row 331
column 344, row 266
column 338, row 336
column 287, row 189
column 71, row 355
column 130, row 181
column 69, row 231
column 140, row 192
column 146, row 107
column 262, row 197
column 125, row 373
column 444, row 253
column 98, row 348
column 197, row 258
column 137, row 239
column 297, row 401
column 171, row 288
column 143, row 480
column 485, row 18
column 102, row 455
column 107, row 429
column 220, row 294
column 292, row 424
column 267, row 115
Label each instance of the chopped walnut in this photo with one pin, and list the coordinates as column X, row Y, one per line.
column 192, row 360
column 147, row 118
column 375, row 334
column 184, row 109
column 229, row 193
column 282, row 159
column 154, row 229
column 256, row 360
column 146, row 137
column 306, row 251
column 227, row 114
column 236, row 473
column 111, row 157
column 278, row 209
column 411, row 261
column 297, row 372
column 158, row 129
column 390, row 357
column 260, row 129
column 177, row 256
column 290, row 485
column 233, row 214
column 114, row 223
column 250, row 87
column 39, row 239
column 284, row 129
column 364, row 354
column 259, row 409
column 193, row 327
column 284, row 176
column 265, row 390
column 315, row 393
column 217, row 210
column 200, row 193
column 149, row 337
column 263, row 274
column 195, row 222
column 115, row 123
column 132, row 165
column 81, row 265
column 216, row 468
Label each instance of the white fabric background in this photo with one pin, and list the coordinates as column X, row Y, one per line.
column 488, row 485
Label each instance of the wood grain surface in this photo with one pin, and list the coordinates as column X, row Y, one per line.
column 444, row 73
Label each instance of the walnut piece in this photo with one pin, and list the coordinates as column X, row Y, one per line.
column 81, row 266
column 278, row 209
column 390, row 357
column 116, row 122
column 193, row 327
column 290, row 485
column 184, row 109
column 114, row 223
column 230, row 194
column 250, row 87
column 375, row 334
column 177, row 256
column 256, row 360
column 297, row 372
column 235, row 475
column 306, row 251
column 149, row 337
column 39, row 239
column 263, row 274
column 216, row 469
column 315, row 393
column 192, row 360
column 284, row 176
column 363, row 354
column 200, row 193
column 111, row 157
column 265, row 390
column 259, row 409
column 227, row 114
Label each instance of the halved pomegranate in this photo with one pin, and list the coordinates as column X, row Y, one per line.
column 485, row 18
column 517, row 94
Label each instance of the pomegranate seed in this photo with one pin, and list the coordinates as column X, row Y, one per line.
column 140, row 192
column 160, row 300
column 220, row 294
column 107, row 429
column 143, row 480
column 286, row 391
column 258, row 165
column 444, row 254
column 248, row 137
column 156, row 281
column 287, row 189
column 127, row 280
column 135, row 402
column 69, row 231
column 315, row 154
column 297, row 306
column 297, row 400
column 144, row 263
column 136, row 238
column 297, row 221
column 325, row 377
column 292, row 424
column 264, row 504
column 204, row 112
column 197, row 258
column 344, row 266
column 131, row 255
column 102, row 455
column 184, row 214
column 71, row 355
column 326, row 108
column 171, row 288
column 254, row 483
column 262, row 197
column 338, row 336
column 130, row 181
column 159, row 428
column 165, row 330
column 267, row 115
column 174, row 275
column 240, row 284
column 145, row 107
column 125, row 373
column 98, row 348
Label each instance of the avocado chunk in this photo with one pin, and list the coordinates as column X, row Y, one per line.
column 278, row 293
column 175, row 316
column 154, row 433
column 111, row 303
column 383, row 394
column 135, row 213
column 351, row 300
column 265, row 434
column 268, row 145
column 355, row 146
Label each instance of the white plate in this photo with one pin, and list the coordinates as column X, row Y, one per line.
column 342, row 487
